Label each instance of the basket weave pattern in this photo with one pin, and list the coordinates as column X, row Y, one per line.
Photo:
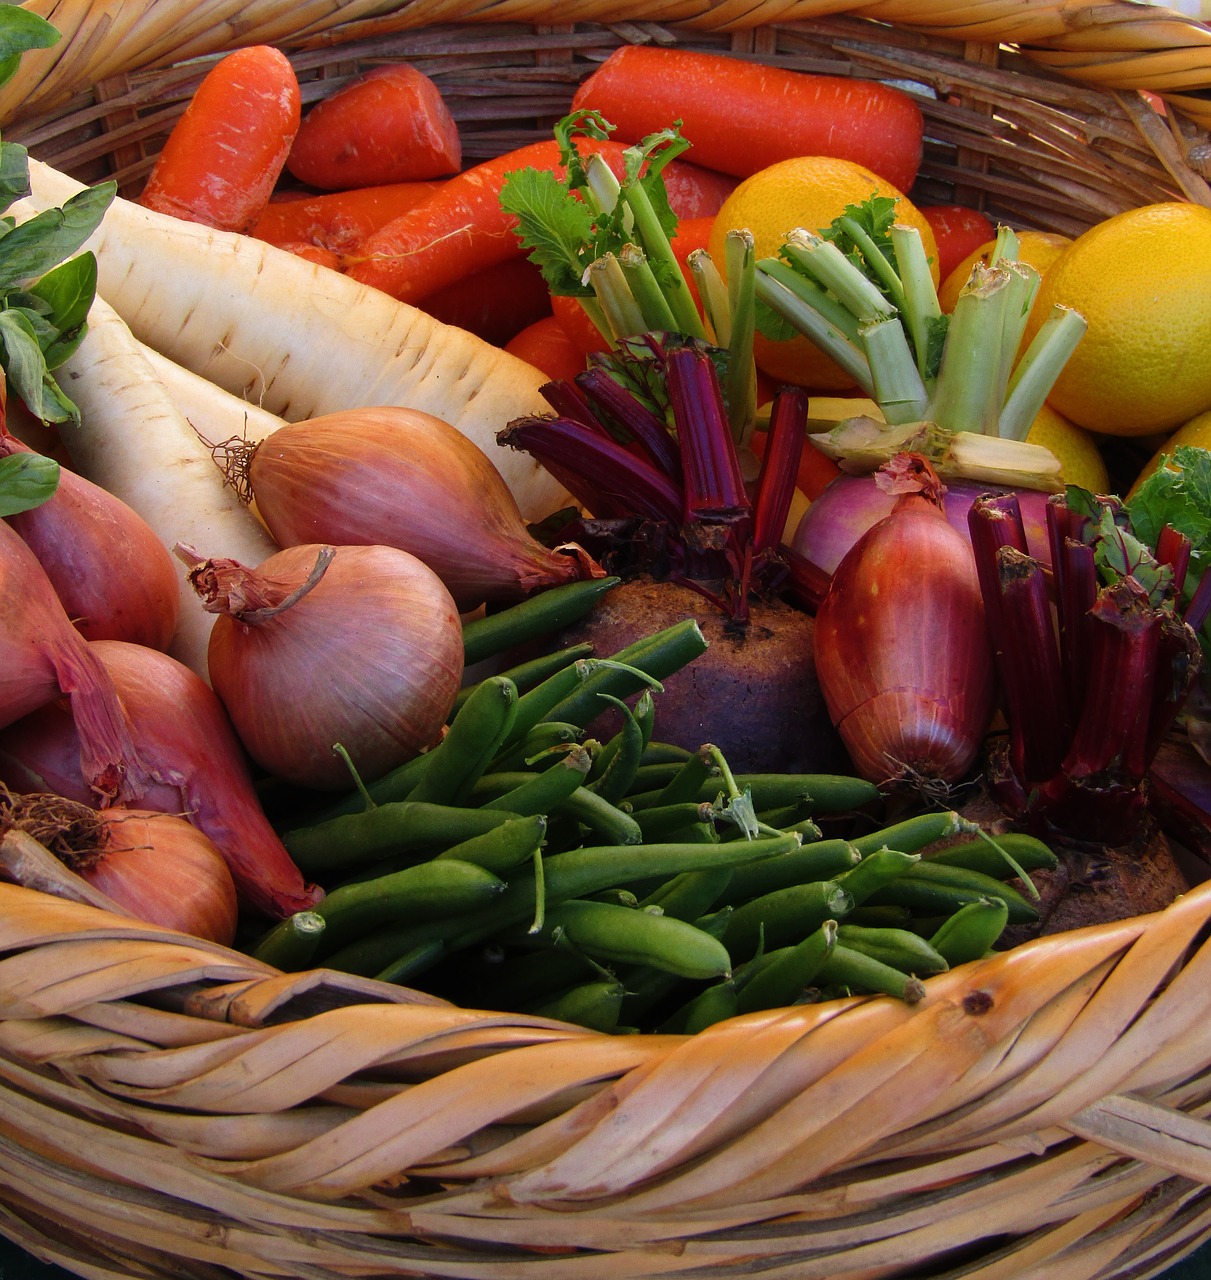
column 172, row 1108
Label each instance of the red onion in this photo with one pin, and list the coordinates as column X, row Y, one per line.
column 357, row 646
column 398, row 477
column 901, row 647
column 850, row 504
column 194, row 759
column 42, row 656
column 155, row 866
column 116, row 579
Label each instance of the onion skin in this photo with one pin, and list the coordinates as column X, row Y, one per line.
column 115, row 578
column 902, row 650
column 850, row 504
column 195, row 762
column 398, row 477
column 370, row 657
column 165, row 871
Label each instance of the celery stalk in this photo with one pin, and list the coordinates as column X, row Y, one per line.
column 713, row 292
column 822, row 260
column 623, row 314
column 899, row 391
column 645, row 289
column 741, row 378
column 921, row 308
column 966, row 394
column 1038, row 369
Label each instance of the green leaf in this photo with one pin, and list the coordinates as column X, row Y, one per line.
column 68, row 290
column 25, row 367
column 1177, row 493
column 27, row 480
column 554, row 228
column 14, row 173
column 20, row 31
column 32, row 248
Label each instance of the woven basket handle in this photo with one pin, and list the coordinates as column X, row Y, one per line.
column 1150, row 1132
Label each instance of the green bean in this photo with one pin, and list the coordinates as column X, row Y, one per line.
column 623, row 754
column 899, row 948
column 860, row 973
column 874, row 872
column 821, row 793
column 292, row 943
column 474, row 736
column 821, row 860
column 787, row 973
column 504, row 847
column 403, row 828
column 526, row 978
column 595, row 1005
column 539, row 747
column 1004, row 856
column 930, row 888
column 533, row 793
column 613, row 934
column 691, row 893
column 647, row 987
column 971, row 931
column 785, row 916
column 686, row 781
column 661, row 822
column 716, row 1004
column 913, row 834
column 525, row 675
column 664, row 752
column 610, row 824
column 439, row 888
column 884, row 916
column 391, row 788
column 540, row 614
column 413, row 963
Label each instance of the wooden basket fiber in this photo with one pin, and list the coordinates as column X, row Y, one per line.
column 170, row 1108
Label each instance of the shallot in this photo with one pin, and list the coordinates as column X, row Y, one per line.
column 901, row 646
column 321, row 646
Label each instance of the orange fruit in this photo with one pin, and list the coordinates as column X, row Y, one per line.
column 1076, row 449
column 1142, row 280
column 1038, row 249
column 807, row 192
column 1196, row 432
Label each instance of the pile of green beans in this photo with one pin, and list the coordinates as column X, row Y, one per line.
column 630, row 884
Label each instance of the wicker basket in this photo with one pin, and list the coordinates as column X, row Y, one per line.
column 171, row 1108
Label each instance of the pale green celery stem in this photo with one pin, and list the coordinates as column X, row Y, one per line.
column 713, row 293
column 967, row 395
column 1038, row 369
column 742, row 306
column 826, row 264
column 622, row 312
column 812, row 295
column 876, row 260
column 1022, row 286
column 604, row 189
column 899, row 390
column 921, row 305
column 779, row 286
column 645, row 289
column 1006, row 245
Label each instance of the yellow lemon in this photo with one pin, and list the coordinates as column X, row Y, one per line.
column 1142, row 280
column 1038, row 249
column 807, row 192
column 1196, row 432
column 1076, row 449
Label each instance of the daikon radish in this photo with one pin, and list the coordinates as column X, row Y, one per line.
column 301, row 340
column 134, row 441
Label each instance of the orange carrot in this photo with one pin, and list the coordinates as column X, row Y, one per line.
column 337, row 220
column 389, row 125
column 547, row 346
column 958, row 230
column 742, row 116
column 224, row 155
column 313, row 253
column 575, row 322
column 493, row 303
column 461, row 228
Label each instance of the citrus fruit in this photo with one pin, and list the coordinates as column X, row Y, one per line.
column 1076, row 449
column 1038, row 249
column 1142, row 280
column 1196, row 432
column 808, row 192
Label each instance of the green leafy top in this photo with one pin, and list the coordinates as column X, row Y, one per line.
column 1177, row 493
column 1120, row 550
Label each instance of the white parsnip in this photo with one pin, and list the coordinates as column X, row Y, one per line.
column 135, row 441
column 300, row 339
column 215, row 414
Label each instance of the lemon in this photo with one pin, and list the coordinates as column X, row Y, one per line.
column 1196, row 432
column 807, row 192
column 1142, row 280
column 1038, row 249
column 1076, row 449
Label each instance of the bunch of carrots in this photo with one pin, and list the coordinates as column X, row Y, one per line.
column 370, row 180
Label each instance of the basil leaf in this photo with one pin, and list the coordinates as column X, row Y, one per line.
column 21, row 31
column 68, row 290
column 25, row 368
column 27, row 480
column 31, row 248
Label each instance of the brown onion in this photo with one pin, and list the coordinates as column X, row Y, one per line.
column 401, row 478
column 320, row 646
column 194, row 762
column 901, row 646
column 155, row 866
column 115, row 578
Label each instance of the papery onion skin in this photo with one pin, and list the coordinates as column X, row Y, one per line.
column 849, row 505
column 902, row 651
column 371, row 657
column 402, row 478
column 165, row 871
column 115, row 578
column 195, row 760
